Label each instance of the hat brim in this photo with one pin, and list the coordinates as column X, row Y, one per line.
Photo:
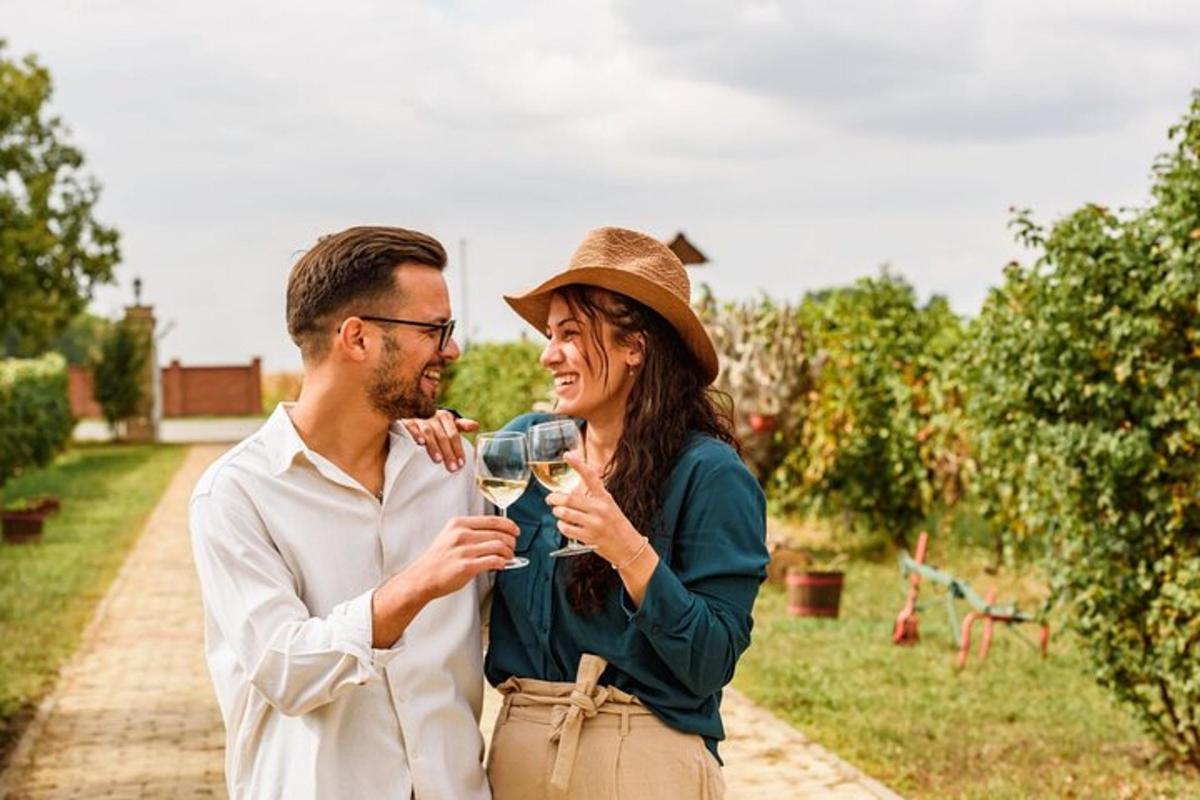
column 534, row 306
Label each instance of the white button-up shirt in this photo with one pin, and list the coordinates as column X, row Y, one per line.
column 290, row 549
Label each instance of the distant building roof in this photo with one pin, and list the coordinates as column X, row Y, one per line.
column 688, row 253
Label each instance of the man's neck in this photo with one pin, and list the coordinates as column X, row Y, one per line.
column 343, row 428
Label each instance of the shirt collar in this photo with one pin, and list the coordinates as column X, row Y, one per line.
column 281, row 439
column 283, row 442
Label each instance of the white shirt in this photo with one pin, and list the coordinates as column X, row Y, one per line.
column 289, row 549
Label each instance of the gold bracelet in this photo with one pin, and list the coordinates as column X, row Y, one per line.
column 634, row 557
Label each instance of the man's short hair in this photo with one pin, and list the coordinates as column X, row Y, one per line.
column 357, row 266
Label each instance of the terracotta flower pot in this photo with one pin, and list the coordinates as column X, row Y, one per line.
column 762, row 423
column 23, row 526
column 814, row 594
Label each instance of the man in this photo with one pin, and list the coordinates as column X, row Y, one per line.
column 342, row 629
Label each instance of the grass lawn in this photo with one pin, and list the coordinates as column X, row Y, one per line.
column 48, row 590
column 1014, row 727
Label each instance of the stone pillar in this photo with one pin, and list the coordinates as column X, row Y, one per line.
column 143, row 426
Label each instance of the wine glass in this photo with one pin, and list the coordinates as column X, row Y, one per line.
column 502, row 473
column 548, row 443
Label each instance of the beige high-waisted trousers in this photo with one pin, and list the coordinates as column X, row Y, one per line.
column 587, row 742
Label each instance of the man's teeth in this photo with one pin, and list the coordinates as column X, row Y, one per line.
column 432, row 374
column 565, row 380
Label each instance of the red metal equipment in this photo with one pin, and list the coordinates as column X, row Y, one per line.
column 905, row 630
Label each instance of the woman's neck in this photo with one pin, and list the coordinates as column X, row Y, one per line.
column 601, row 437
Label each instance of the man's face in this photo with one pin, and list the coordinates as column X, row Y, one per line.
column 407, row 375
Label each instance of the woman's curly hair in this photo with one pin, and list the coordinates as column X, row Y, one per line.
column 669, row 400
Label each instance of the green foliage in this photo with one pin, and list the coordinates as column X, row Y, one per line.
column 35, row 413
column 52, row 250
column 1086, row 374
column 496, row 381
column 882, row 440
column 765, row 369
column 118, row 375
column 81, row 342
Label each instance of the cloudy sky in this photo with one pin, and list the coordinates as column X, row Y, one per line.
column 799, row 144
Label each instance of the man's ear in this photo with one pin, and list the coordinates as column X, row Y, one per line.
column 351, row 339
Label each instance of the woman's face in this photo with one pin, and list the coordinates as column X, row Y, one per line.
column 580, row 383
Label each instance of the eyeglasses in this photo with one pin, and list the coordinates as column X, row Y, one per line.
column 445, row 329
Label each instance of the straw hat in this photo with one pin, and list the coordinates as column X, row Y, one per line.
column 637, row 266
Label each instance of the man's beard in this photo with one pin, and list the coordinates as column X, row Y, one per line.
column 397, row 398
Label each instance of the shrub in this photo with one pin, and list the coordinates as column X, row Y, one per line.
column 1085, row 394
column 496, row 381
column 118, row 381
column 765, row 369
column 280, row 387
column 882, row 440
column 35, row 413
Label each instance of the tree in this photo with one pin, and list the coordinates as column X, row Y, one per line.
column 1084, row 389
column 117, row 379
column 80, row 343
column 52, row 250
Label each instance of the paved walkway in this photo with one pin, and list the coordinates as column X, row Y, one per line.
column 134, row 714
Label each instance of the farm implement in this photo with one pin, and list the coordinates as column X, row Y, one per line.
column 914, row 569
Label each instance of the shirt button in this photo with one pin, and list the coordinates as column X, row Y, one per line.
column 656, row 629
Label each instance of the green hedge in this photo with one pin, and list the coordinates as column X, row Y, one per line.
column 881, row 443
column 1086, row 379
column 35, row 413
column 496, row 381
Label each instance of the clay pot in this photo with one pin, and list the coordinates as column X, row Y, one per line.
column 762, row 423
column 814, row 594
column 23, row 526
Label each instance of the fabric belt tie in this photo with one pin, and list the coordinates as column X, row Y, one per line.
column 567, row 720
column 568, row 711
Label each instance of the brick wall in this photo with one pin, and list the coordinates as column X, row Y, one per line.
column 79, row 386
column 224, row 391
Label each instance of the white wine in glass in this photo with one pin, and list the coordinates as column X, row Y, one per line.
column 501, row 491
column 557, row 476
column 549, row 442
column 502, row 473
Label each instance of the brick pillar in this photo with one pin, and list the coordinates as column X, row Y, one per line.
column 254, row 390
column 143, row 426
column 172, row 386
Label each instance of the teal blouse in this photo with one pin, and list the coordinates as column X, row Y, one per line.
column 679, row 649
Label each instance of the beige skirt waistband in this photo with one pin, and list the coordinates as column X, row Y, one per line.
column 567, row 705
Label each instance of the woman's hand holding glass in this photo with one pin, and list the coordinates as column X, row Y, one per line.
column 590, row 515
column 549, row 444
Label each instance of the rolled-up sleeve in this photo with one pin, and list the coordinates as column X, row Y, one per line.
column 697, row 610
column 298, row 662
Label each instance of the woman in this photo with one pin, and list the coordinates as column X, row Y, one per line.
column 612, row 664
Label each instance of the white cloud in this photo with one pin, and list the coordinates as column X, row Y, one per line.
column 799, row 143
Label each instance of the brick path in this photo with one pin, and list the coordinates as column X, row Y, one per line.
column 134, row 714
